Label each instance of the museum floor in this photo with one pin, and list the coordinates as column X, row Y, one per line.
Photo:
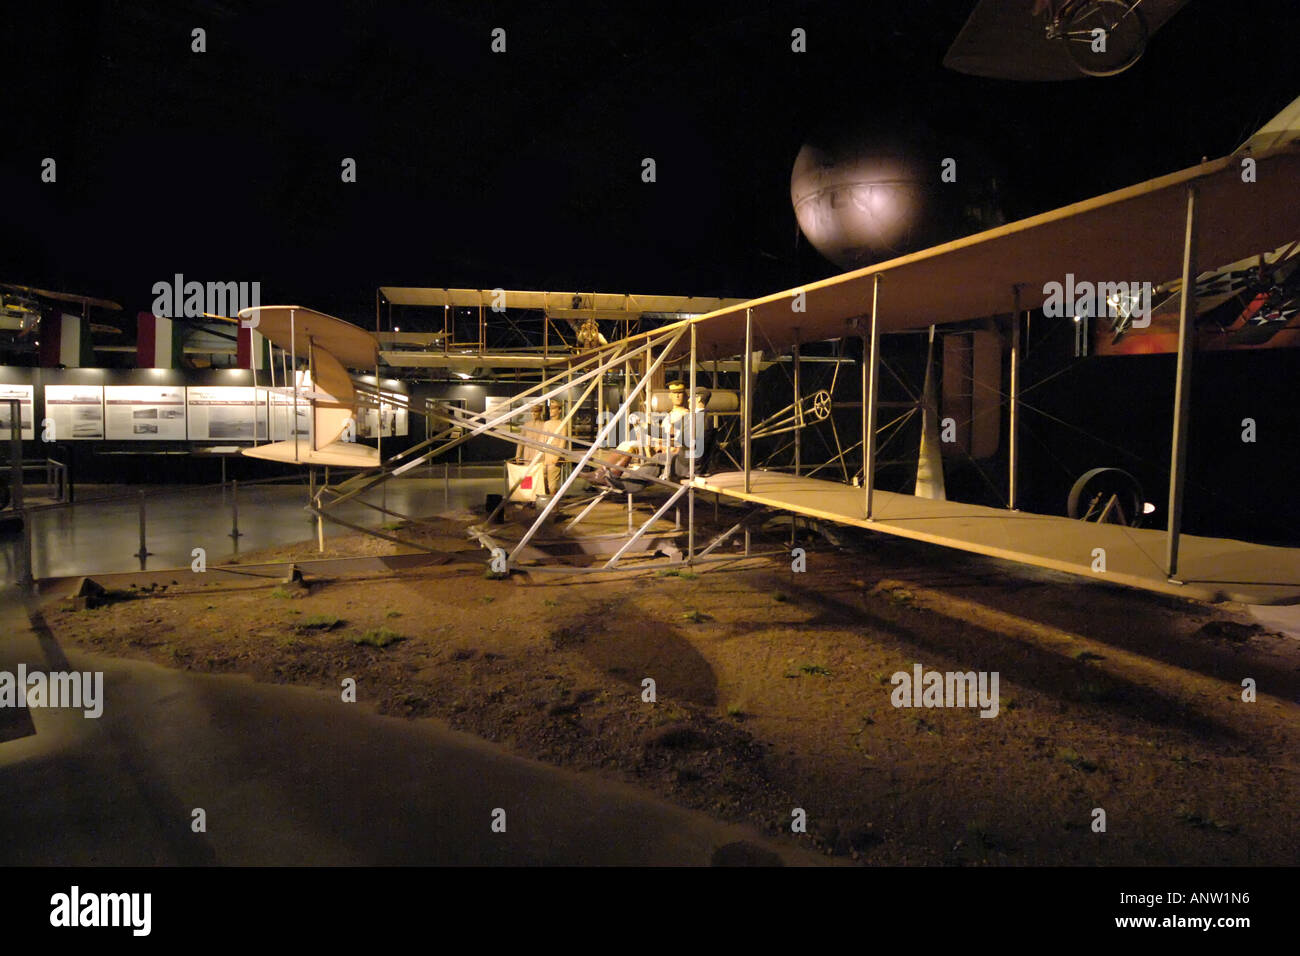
column 104, row 535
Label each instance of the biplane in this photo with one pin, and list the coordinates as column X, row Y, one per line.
column 1221, row 211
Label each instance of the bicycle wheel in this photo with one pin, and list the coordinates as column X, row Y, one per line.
column 1119, row 44
column 1093, row 493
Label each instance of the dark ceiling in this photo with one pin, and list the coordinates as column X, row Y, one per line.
column 522, row 169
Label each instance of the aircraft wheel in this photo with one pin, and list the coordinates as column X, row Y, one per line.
column 821, row 409
column 1125, row 37
column 1102, row 487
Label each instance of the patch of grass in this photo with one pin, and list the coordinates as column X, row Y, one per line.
column 735, row 712
column 883, row 678
column 780, row 597
column 1099, row 692
column 1203, row 821
column 392, row 526
column 281, row 594
column 565, row 636
column 815, row 669
column 491, row 575
column 318, row 622
column 695, row 617
column 392, row 614
column 551, row 602
column 1074, row 760
column 899, row 596
column 677, row 573
column 487, row 599
column 921, row 724
column 982, row 839
column 378, row 637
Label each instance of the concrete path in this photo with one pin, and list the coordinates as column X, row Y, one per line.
column 293, row 776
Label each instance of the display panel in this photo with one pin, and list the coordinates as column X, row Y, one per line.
column 395, row 418
column 76, row 412
column 226, row 412
column 282, row 411
column 24, row 394
column 144, row 412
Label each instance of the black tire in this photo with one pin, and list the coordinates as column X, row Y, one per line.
column 1126, row 37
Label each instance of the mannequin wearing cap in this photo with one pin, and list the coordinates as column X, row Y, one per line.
column 532, row 431
column 678, row 465
column 674, row 432
column 555, row 427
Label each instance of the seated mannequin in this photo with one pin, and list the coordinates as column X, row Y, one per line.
column 678, row 467
column 669, row 457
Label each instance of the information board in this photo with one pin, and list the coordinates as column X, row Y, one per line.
column 395, row 418
column 75, row 411
column 282, row 410
column 144, row 412
column 24, row 394
column 226, row 412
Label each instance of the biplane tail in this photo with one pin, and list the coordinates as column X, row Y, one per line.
column 332, row 346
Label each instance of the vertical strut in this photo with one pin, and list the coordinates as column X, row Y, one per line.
column 1182, row 385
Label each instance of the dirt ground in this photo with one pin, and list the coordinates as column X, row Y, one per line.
column 773, row 691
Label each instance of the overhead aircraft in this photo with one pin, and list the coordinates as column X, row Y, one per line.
column 21, row 310
column 1219, row 211
column 1036, row 40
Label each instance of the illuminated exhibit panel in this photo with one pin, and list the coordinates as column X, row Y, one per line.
column 226, row 412
column 144, row 412
column 76, row 411
column 24, row 394
column 283, row 413
column 394, row 414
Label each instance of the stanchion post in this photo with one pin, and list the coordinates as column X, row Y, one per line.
column 144, row 552
column 234, row 509
column 16, row 488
